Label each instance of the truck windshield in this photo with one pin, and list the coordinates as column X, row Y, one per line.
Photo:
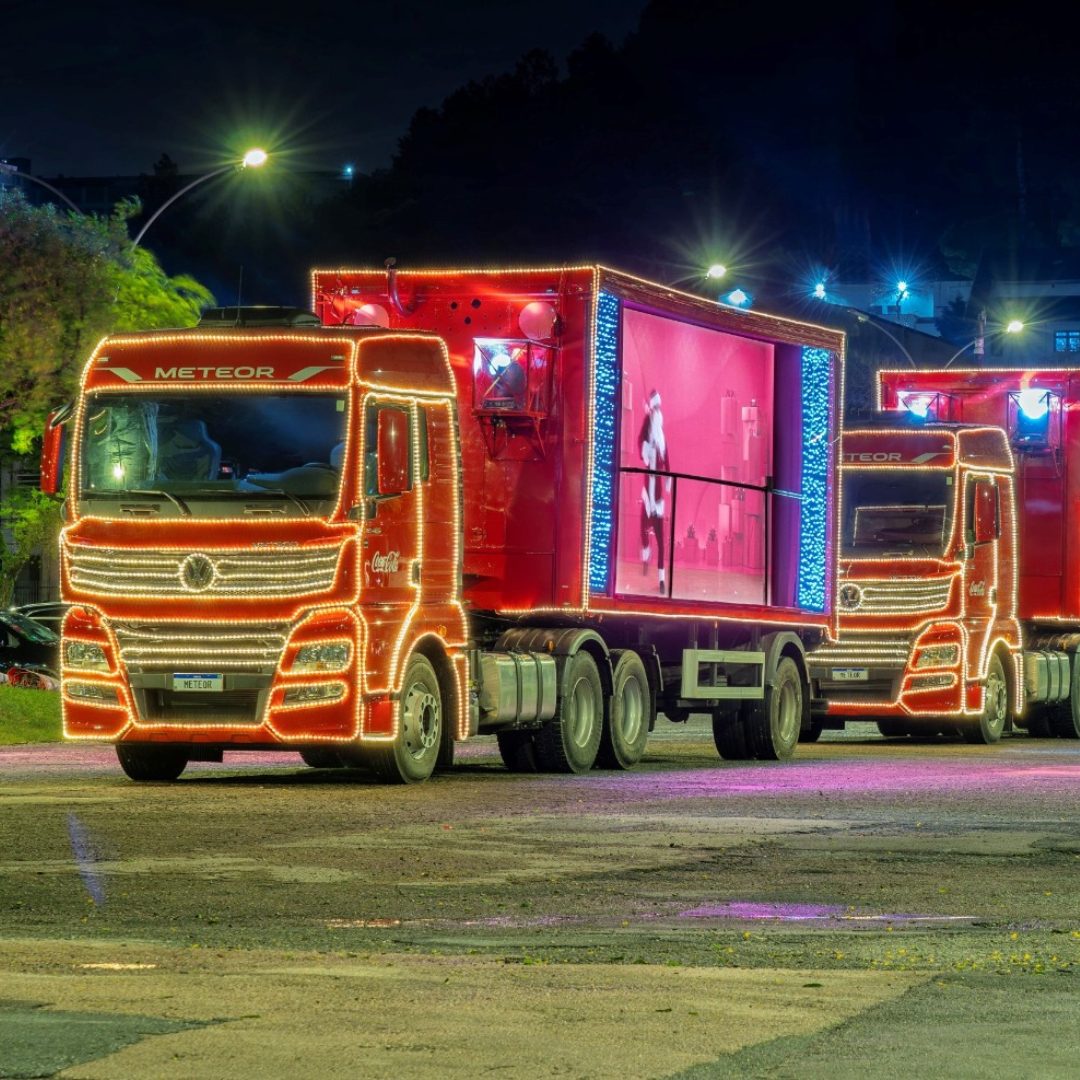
column 890, row 512
column 190, row 454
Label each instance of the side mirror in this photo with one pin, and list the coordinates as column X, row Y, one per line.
column 52, row 450
column 393, row 451
column 986, row 525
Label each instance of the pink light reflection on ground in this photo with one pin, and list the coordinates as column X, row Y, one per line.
column 776, row 911
column 847, row 778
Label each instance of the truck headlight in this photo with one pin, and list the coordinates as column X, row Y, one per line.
column 332, row 656
column 934, row 656
column 302, row 695
column 92, row 692
column 85, row 655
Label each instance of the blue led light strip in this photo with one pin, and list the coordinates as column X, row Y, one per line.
column 605, row 388
column 814, row 515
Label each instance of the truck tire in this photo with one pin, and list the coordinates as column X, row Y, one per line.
column 151, row 764
column 626, row 727
column 321, row 757
column 729, row 734
column 411, row 757
column 988, row 727
column 569, row 741
column 773, row 724
column 517, row 750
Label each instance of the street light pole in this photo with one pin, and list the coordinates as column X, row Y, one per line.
column 252, row 159
column 13, row 170
column 862, row 317
column 978, row 343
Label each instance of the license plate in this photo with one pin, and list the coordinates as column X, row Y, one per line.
column 198, row 682
column 850, row 674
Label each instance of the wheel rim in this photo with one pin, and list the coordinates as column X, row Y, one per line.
column 632, row 711
column 583, row 720
column 996, row 702
column 788, row 713
column 422, row 721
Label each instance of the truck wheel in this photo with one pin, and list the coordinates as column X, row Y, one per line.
column 773, row 725
column 321, row 757
column 626, row 728
column 729, row 734
column 989, row 726
column 411, row 757
column 517, row 750
column 161, row 764
column 569, row 741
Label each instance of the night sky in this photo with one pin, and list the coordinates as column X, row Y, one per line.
column 105, row 87
column 853, row 138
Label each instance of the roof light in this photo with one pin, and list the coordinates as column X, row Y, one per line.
column 918, row 402
column 1033, row 403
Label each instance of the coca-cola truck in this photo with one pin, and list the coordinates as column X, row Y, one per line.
column 547, row 505
column 959, row 594
column 926, row 603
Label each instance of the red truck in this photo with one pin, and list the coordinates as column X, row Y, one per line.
column 542, row 504
column 958, row 603
column 928, row 634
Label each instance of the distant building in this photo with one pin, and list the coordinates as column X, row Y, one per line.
column 918, row 307
column 1041, row 288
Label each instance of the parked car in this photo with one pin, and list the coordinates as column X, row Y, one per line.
column 26, row 643
column 48, row 612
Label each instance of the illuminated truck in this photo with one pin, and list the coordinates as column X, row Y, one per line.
column 959, row 595
column 546, row 505
column 928, row 632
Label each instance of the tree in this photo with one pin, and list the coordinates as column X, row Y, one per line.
column 65, row 281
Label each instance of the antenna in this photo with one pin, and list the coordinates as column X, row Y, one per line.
column 239, row 292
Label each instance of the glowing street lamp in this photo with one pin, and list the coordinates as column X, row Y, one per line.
column 978, row 342
column 253, row 159
column 716, row 271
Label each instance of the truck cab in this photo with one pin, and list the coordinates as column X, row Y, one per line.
column 928, row 638
column 261, row 547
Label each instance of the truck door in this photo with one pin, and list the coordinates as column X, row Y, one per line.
column 982, row 539
column 391, row 503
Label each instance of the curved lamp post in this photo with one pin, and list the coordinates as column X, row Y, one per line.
column 251, row 160
column 1013, row 326
column 862, row 317
column 11, row 170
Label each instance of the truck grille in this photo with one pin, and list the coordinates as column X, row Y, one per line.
column 229, row 709
column 156, row 647
column 894, row 596
column 862, row 652
column 882, row 658
column 183, row 573
column 246, row 655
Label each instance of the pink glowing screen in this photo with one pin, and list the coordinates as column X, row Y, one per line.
column 697, row 402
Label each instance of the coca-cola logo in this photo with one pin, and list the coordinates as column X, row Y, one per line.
column 384, row 563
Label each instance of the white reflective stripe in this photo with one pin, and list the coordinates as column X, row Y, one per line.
column 306, row 373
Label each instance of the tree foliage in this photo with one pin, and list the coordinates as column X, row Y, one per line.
column 65, row 281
